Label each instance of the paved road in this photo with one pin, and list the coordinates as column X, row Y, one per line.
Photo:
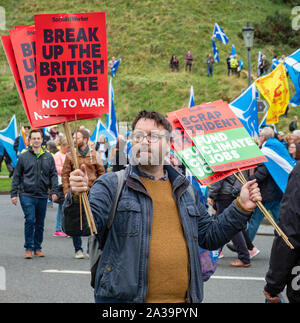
column 60, row 278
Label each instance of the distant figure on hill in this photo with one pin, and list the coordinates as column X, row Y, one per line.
column 174, row 63
column 188, row 61
column 228, row 64
column 209, row 62
column 264, row 66
column 293, row 125
column 234, row 63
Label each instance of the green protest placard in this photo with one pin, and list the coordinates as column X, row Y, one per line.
column 190, row 156
column 220, row 137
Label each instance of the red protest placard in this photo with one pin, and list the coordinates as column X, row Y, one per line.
column 72, row 63
column 20, row 51
column 23, row 45
column 9, row 52
column 220, row 137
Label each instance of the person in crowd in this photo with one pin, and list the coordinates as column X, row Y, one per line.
column 296, row 137
column 5, row 156
column 264, row 66
column 188, row 61
column 51, row 147
column 292, row 150
column 34, row 175
column 174, row 63
column 280, row 136
column 94, row 168
column 294, row 124
column 234, row 63
column 284, row 265
column 151, row 253
column 59, row 159
column 228, row 59
column 102, row 147
column 289, row 138
column 118, row 157
column 270, row 192
column 209, row 62
column 220, row 195
column 111, row 63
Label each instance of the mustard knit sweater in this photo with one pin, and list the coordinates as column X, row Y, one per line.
column 168, row 259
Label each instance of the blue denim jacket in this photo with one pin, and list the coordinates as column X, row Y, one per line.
column 122, row 273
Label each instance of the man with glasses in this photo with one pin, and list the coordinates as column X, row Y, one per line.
column 151, row 252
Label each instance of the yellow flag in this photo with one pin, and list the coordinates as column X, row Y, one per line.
column 275, row 89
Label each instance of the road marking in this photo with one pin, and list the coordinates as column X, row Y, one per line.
column 238, row 278
column 82, row 272
column 56, row 271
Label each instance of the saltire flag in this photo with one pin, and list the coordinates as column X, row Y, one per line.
column 292, row 62
column 275, row 89
column 46, row 131
column 245, row 108
column 233, row 51
column 279, row 163
column 115, row 67
column 219, row 34
column 191, row 100
column 263, row 123
column 259, row 60
column 8, row 137
column 101, row 130
column 275, row 63
column 22, row 140
column 111, row 118
column 215, row 51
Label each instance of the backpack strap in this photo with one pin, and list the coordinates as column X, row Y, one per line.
column 121, row 181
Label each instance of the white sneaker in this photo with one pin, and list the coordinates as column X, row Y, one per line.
column 254, row 252
column 79, row 254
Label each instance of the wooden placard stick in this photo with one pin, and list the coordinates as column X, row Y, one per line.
column 241, row 178
column 83, row 195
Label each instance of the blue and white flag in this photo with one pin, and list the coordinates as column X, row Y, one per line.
column 233, row 51
column 101, row 130
column 245, row 108
column 292, row 62
column 215, row 52
column 279, row 163
column 115, row 67
column 191, row 100
column 111, row 118
column 7, row 138
column 259, row 60
column 275, row 62
column 219, row 34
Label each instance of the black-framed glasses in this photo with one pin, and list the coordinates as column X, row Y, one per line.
column 152, row 137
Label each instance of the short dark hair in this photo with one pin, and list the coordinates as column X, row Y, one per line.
column 85, row 133
column 158, row 118
column 36, row 131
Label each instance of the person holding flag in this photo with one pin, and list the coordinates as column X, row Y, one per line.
column 209, row 62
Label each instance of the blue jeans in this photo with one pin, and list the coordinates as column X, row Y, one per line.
column 77, row 243
column 58, row 218
column 35, row 212
column 258, row 216
column 209, row 70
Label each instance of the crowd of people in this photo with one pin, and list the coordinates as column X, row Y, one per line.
column 46, row 171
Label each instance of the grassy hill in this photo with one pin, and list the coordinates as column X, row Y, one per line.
column 145, row 34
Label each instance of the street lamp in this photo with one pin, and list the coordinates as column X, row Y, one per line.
column 248, row 34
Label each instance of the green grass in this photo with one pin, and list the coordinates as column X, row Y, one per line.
column 145, row 34
column 5, row 183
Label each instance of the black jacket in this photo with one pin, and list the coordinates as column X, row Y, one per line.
column 268, row 188
column 227, row 188
column 284, row 268
column 34, row 176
